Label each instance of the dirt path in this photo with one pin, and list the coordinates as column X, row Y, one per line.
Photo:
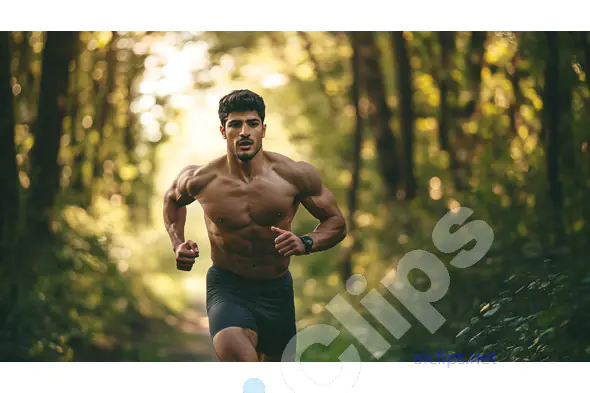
column 193, row 343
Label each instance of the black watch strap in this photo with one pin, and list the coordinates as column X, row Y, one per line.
column 307, row 242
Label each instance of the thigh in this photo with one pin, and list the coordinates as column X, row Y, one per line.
column 276, row 325
column 224, row 314
column 233, row 331
column 277, row 340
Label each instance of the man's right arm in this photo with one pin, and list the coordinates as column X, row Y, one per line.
column 182, row 192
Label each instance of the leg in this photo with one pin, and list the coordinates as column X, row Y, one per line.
column 236, row 344
column 277, row 330
column 234, row 331
column 232, row 323
column 277, row 341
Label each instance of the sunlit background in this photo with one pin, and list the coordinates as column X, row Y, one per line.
column 194, row 134
column 194, row 138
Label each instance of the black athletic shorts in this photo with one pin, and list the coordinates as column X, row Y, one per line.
column 265, row 306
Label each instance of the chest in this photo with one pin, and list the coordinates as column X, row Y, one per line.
column 232, row 204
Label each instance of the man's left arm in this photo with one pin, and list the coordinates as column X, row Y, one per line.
column 332, row 227
column 321, row 203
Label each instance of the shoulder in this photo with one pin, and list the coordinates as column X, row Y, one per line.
column 301, row 174
column 188, row 171
column 192, row 179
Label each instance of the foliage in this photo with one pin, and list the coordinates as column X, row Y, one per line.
column 82, row 307
column 68, row 292
column 499, row 143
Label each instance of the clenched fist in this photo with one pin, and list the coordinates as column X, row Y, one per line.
column 186, row 253
column 288, row 243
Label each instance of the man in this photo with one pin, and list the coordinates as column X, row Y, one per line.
column 249, row 197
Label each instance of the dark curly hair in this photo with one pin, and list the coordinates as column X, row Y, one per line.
column 240, row 101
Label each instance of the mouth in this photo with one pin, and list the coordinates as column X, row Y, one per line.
column 245, row 144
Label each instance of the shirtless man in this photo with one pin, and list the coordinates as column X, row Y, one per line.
column 249, row 197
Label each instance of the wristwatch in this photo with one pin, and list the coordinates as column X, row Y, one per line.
column 307, row 242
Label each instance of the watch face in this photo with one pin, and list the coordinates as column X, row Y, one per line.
column 307, row 242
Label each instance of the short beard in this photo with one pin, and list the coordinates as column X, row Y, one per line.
column 247, row 157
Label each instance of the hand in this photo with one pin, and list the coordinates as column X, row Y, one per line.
column 185, row 255
column 287, row 243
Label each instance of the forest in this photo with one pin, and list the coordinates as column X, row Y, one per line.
column 403, row 127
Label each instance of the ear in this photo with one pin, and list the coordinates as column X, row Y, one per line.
column 263, row 130
column 222, row 130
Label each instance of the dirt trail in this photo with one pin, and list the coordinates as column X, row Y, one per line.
column 194, row 343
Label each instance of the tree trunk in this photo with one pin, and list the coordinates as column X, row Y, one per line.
column 568, row 146
column 356, row 160
column 26, row 80
column 406, row 110
column 130, row 143
column 585, row 38
column 52, row 107
column 78, row 146
column 105, row 106
column 475, row 63
column 551, row 119
column 380, row 117
column 9, row 197
column 514, row 78
column 445, row 121
column 73, row 110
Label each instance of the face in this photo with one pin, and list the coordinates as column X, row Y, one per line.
column 244, row 132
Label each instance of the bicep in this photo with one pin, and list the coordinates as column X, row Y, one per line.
column 322, row 205
column 316, row 197
column 309, row 180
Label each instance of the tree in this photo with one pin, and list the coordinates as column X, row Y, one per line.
column 475, row 61
column 551, row 119
column 74, row 103
column 585, row 42
column 380, row 114
column 406, row 110
column 514, row 76
column 445, row 120
column 9, row 197
column 52, row 108
column 106, row 108
column 356, row 160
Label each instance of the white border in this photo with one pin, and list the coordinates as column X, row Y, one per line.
column 230, row 377
column 264, row 15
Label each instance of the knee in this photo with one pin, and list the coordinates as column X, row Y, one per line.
column 229, row 353
column 234, row 345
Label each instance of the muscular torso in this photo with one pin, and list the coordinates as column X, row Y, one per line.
column 239, row 216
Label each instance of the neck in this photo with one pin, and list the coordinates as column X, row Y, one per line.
column 245, row 170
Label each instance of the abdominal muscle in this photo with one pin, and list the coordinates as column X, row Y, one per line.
column 249, row 252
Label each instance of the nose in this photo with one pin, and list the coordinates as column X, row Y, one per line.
column 245, row 131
